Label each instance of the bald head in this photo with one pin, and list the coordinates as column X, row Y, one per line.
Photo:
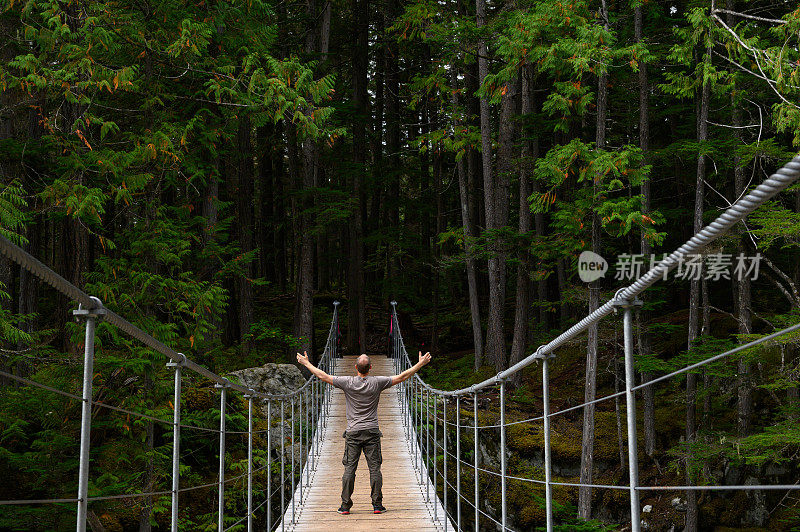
column 363, row 364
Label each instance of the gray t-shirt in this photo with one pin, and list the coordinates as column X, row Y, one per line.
column 361, row 395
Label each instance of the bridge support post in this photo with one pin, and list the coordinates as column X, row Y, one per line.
column 223, row 388
column 91, row 316
column 283, row 468
column 444, row 467
column 335, row 353
column 427, row 445
column 458, row 463
column 435, row 453
column 309, row 437
column 269, row 460
column 314, row 425
column 630, row 413
column 415, row 417
column 176, row 440
column 548, row 488
column 249, row 462
column 475, row 460
column 292, row 482
column 503, row 454
column 300, row 430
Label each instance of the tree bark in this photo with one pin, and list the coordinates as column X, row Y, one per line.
column 590, row 390
column 694, row 309
column 469, row 235
column 744, row 399
column 279, row 220
column 356, row 311
column 523, row 295
column 325, row 31
column 304, row 327
column 643, row 336
column 495, row 342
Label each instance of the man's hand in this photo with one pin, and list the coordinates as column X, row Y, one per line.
column 303, row 359
column 424, row 359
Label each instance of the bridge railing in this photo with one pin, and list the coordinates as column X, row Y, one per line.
column 420, row 402
column 305, row 409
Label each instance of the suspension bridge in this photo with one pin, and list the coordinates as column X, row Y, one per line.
column 432, row 482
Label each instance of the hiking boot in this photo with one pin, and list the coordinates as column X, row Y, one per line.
column 379, row 509
column 342, row 510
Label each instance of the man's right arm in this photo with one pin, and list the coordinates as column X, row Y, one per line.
column 423, row 359
column 303, row 360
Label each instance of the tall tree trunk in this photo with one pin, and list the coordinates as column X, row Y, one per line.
column 744, row 399
column 495, row 342
column 325, row 30
column 309, row 242
column 527, row 158
column 435, row 251
column 356, row 310
column 643, row 336
column 392, row 109
column 266, row 223
column 279, row 221
column 304, row 327
column 590, row 390
column 694, row 308
column 469, row 235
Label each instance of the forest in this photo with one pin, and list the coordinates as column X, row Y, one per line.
column 220, row 171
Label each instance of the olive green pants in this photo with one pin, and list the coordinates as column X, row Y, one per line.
column 370, row 442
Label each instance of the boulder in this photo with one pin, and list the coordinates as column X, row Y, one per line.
column 273, row 379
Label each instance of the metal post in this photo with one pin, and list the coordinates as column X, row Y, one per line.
column 292, row 482
column 335, row 353
column 300, row 436
column 404, row 407
column 221, row 494
column 427, row 445
column 548, row 488
column 249, row 463
column 503, row 452
column 444, row 468
column 314, row 424
column 435, row 454
column 283, row 479
column 269, row 463
column 309, row 434
column 630, row 416
column 176, row 440
column 415, row 405
column 91, row 316
column 458, row 463
column 475, row 460
column 420, row 395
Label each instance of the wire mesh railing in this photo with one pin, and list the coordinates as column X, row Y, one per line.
column 305, row 410
column 420, row 402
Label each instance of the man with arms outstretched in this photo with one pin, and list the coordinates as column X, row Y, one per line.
column 362, row 393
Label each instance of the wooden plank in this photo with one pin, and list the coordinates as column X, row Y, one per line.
column 403, row 491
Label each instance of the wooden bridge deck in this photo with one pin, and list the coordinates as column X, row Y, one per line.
column 403, row 495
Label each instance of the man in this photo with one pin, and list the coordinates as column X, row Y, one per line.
column 361, row 394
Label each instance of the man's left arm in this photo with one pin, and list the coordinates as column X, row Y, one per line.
column 423, row 360
column 303, row 360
